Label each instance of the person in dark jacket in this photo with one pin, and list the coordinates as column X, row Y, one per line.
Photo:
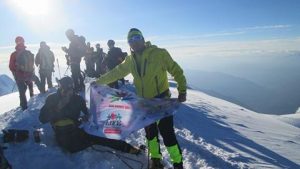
column 99, row 57
column 115, row 56
column 76, row 50
column 45, row 60
column 63, row 110
column 89, row 61
column 23, row 78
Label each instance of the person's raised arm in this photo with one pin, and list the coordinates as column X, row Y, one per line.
column 118, row 72
column 176, row 71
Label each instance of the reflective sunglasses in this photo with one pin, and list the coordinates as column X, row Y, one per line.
column 135, row 38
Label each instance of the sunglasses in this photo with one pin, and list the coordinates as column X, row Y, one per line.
column 135, row 38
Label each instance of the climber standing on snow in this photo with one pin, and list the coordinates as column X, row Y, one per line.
column 114, row 57
column 45, row 60
column 149, row 66
column 21, row 64
column 75, row 52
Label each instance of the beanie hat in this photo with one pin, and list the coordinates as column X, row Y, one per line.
column 70, row 32
column 110, row 42
column 42, row 43
column 66, row 83
column 132, row 32
column 19, row 40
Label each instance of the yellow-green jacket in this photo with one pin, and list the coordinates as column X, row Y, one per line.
column 152, row 79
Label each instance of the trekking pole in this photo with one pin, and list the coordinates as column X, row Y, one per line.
column 66, row 70
column 58, row 68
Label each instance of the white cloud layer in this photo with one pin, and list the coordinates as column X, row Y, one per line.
column 236, row 48
column 265, row 27
column 205, row 45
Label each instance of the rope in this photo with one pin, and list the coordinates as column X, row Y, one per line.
column 121, row 157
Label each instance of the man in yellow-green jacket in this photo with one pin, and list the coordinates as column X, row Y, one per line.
column 149, row 66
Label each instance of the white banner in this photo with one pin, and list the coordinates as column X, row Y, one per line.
column 117, row 113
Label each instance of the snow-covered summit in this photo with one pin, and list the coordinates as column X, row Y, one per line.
column 212, row 133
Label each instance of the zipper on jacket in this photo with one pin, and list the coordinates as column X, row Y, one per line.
column 139, row 74
column 144, row 72
column 135, row 65
column 145, row 65
column 156, row 82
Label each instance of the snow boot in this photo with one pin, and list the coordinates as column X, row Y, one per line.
column 155, row 163
column 178, row 165
column 24, row 107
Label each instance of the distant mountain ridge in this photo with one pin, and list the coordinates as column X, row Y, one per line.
column 239, row 91
column 7, row 85
column 278, row 73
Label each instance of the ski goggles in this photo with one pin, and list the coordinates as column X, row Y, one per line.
column 135, row 38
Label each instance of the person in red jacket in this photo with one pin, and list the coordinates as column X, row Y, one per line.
column 23, row 78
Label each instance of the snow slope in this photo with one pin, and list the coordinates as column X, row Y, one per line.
column 7, row 85
column 212, row 133
column 293, row 119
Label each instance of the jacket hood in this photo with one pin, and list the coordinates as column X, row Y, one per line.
column 45, row 48
column 149, row 45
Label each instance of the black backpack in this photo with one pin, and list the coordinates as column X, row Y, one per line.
column 25, row 61
column 113, row 57
column 11, row 135
column 15, row 135
column 46, row 60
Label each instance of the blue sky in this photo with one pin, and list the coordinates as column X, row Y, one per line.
column 111, row 19
column 212, row 35
column 195, row 31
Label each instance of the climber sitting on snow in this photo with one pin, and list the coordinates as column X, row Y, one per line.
column 62, row 110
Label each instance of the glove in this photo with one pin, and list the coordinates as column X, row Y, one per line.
column 65, row 49
column 85, row 118
column 182, row 97
column 93, row 83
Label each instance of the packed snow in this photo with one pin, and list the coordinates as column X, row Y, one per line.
column 293, row 119
column 212, row 133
